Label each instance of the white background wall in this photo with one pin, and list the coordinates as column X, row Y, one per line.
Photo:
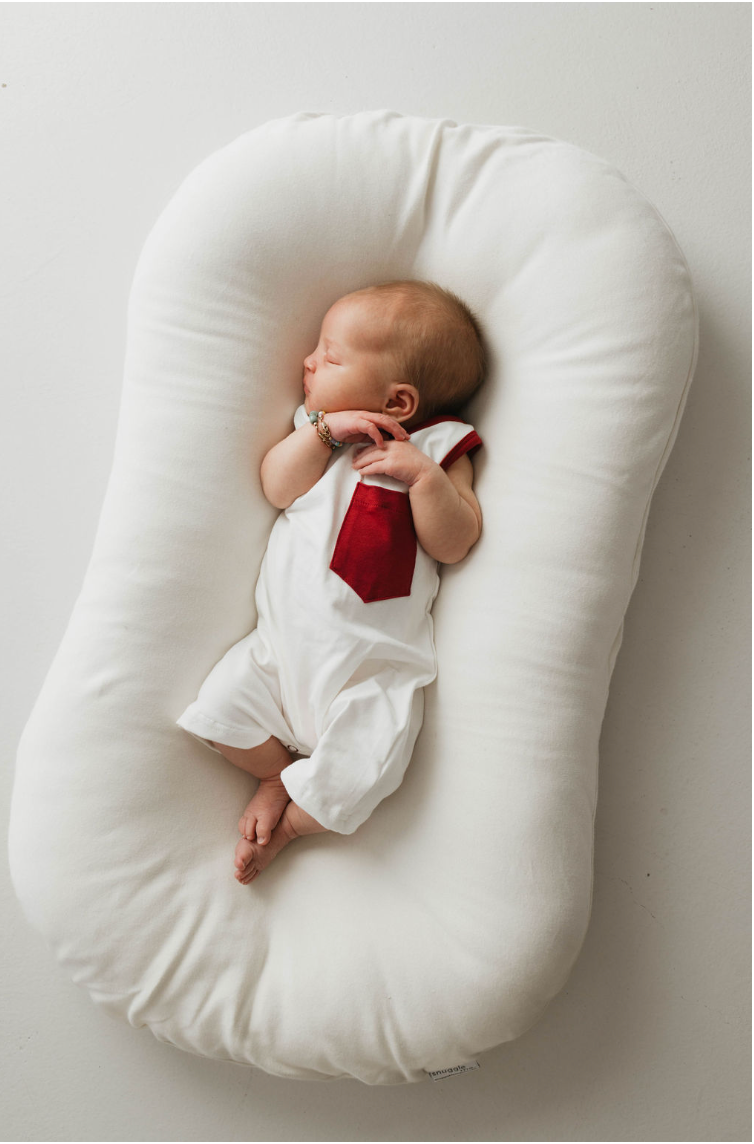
column 104, row 109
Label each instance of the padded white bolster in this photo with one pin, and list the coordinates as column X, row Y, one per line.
column 446, row 923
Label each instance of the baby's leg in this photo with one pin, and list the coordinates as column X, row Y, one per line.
column 251, row 858
column 367, row 738
column 265, row 762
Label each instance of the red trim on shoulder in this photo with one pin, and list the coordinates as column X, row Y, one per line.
column 469, row 444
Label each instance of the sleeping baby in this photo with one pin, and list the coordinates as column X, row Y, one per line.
column 323, row 700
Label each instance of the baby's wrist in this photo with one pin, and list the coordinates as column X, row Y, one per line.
column 427, row 474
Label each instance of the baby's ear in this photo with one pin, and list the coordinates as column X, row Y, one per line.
column 404, row 402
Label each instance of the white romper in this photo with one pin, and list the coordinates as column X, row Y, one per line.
column 344, row 640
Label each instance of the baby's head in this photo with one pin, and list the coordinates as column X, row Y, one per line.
column 406, row 348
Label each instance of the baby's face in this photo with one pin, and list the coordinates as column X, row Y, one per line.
column 350, row 367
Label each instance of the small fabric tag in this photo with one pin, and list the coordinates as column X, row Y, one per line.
column 454, row 1070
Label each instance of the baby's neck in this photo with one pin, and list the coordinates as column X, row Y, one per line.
column 412, row 422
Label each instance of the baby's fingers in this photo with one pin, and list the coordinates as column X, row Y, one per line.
column 396, row 429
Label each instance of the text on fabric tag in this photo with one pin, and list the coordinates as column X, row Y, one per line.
column 454, row 1070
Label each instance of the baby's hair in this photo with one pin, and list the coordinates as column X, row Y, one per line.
column 437, row 343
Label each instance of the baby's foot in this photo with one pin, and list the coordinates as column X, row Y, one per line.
column 252, row 858
column 264, row 811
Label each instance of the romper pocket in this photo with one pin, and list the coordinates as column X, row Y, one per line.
column 375, row 552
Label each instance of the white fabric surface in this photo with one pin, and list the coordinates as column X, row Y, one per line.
column 327, row 964
column 343, row 646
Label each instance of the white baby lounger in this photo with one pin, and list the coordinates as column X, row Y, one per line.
column 327, row 964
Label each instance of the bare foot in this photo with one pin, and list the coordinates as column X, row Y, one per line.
column 264, row 810
column 252, row 858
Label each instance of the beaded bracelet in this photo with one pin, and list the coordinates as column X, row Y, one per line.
column 318, row 419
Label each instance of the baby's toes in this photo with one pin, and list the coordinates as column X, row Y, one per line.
column 244, row 854
column 264, row 830
column 245, row 876
column 247, row 825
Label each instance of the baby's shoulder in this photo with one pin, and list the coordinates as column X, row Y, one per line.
column 445, row 438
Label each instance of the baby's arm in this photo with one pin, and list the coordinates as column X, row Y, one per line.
column 294, row 465
column 447, row 516
column 298, row 461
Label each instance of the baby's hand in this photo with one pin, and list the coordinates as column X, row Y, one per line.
column 353, row 425
column 399, row 459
